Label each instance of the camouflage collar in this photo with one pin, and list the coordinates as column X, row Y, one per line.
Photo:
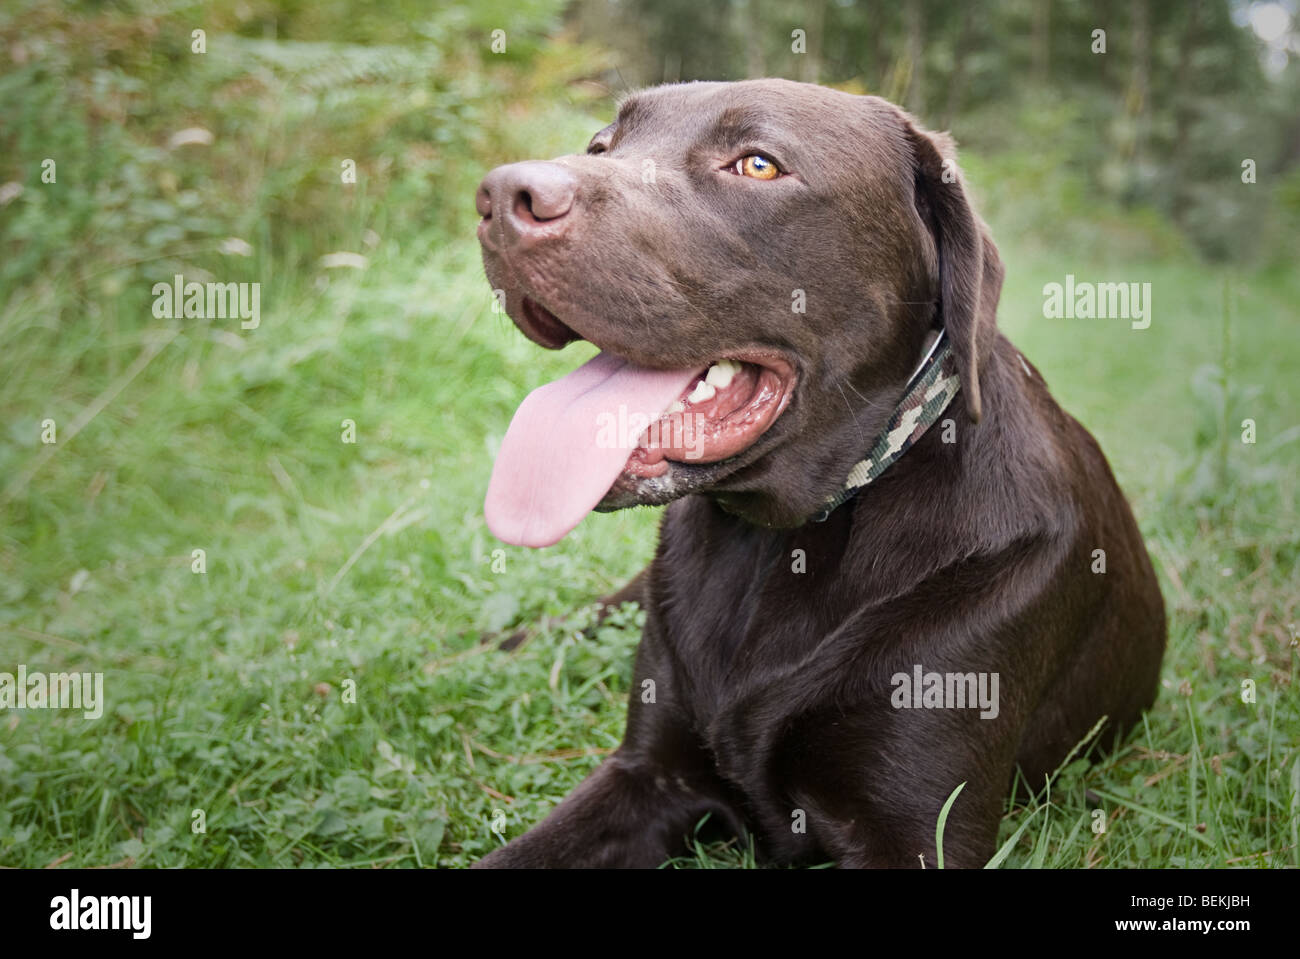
column 927, row 395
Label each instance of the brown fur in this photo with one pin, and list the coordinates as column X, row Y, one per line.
column 773, row 687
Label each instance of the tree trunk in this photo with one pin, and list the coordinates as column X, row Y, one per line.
column 960, row 52
column 915, row 96
column 1041, row 41
column 1139, row 86
column 755, row 62
column 810, row 70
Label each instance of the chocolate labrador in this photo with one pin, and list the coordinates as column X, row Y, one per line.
column 893, row 569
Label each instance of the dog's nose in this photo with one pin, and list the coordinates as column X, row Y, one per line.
column 530, row 200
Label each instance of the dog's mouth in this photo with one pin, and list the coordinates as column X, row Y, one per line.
column 612, row 422
column 543, row 327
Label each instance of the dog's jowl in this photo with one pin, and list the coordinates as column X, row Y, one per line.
column 876, row 577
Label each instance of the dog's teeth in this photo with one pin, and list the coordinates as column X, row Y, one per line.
column 721, row 373
column 677, row 407
column 703, row 391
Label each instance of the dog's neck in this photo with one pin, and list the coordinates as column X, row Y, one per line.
column 927, row 395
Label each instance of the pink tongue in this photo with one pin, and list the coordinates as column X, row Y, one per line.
column 557, row 460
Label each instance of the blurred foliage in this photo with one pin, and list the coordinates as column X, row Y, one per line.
column 283, row 95
column 1162, row 119
column 370, row 562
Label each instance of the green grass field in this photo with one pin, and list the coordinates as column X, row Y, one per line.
column 321, row 694
column 329, row 563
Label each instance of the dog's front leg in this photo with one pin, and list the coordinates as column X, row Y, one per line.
column 626, row 814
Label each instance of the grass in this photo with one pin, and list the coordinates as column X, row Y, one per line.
column 322, row 696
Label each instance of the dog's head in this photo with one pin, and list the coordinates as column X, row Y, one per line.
column 760, row 264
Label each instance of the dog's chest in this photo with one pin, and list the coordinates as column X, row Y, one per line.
column 738, row 605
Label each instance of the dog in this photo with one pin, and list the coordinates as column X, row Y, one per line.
column 892, row 571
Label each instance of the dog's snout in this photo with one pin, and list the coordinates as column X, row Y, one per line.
column 531, row 201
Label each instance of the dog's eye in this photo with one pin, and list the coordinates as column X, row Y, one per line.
column 596, row 148
column 757, row 167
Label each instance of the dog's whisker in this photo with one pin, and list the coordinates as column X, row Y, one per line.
column 862, row 437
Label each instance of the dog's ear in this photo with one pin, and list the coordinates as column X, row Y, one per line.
column 970, row 271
